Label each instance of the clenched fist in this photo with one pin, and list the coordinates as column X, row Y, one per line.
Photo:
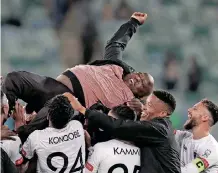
column 141, row 17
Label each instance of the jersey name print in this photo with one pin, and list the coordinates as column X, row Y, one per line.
column 64, row 138
column 126, row 151
column 58, row 150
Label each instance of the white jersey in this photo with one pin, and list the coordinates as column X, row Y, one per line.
column 197, row 156
column 12, row 148
column 58, row 150
column 113, row 156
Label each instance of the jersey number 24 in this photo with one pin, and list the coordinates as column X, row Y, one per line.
column 60, row 154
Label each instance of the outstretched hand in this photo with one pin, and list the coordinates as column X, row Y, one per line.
column 141, row 17
column 75, row 103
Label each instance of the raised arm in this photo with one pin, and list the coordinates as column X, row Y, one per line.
column 116, row 45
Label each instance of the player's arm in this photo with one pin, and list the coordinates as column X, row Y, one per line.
column 15, row 148
column 94, row 159
column 116, row 45
column 202, row 164
column 141, row 132
column 212, row 169
column 29, row 147
column 15, row 154
column 196, row 166
column 7, row 166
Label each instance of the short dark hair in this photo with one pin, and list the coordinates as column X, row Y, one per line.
column 212, row 108
column 100, row 107
column 123, row 112
column 167, row 98
column 60, row 111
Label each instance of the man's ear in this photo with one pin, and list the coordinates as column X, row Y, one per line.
column 205, row 117
column 164, row 113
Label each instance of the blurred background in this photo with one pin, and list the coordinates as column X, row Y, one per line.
column 178, row 44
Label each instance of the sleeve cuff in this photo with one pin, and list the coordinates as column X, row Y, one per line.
column 88, row 111
column 135, row 22
column 19, row 161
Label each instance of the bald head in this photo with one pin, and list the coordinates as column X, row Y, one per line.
column 141, row 84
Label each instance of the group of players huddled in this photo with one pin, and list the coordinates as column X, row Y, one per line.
column 102, row 117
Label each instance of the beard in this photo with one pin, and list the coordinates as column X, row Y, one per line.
column 190, row 124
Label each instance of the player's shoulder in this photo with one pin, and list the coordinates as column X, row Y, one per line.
column 75, row 124
column 209, row 147
column 104, row 145
column 212, row 142
column 182, row 133
column 17, row 140
column 34, row 135
column 103, row 148
column 110, row 144
column 11, row 144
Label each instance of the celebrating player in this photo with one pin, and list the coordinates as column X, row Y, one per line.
column 60, row 147
column 153, row 133
column 199, row 149
column 115, row 154
column 10, row 143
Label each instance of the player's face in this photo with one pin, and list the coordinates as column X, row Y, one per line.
column 140, row 84
column 152, row 108
column 195, row 116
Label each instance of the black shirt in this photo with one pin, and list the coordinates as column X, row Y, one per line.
column 159, row 150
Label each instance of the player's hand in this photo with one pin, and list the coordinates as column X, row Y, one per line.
column 136, row 105
column 75, row 103
column 141, row 17
column 19, row 115
column 30, row 117
column 7, row 134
